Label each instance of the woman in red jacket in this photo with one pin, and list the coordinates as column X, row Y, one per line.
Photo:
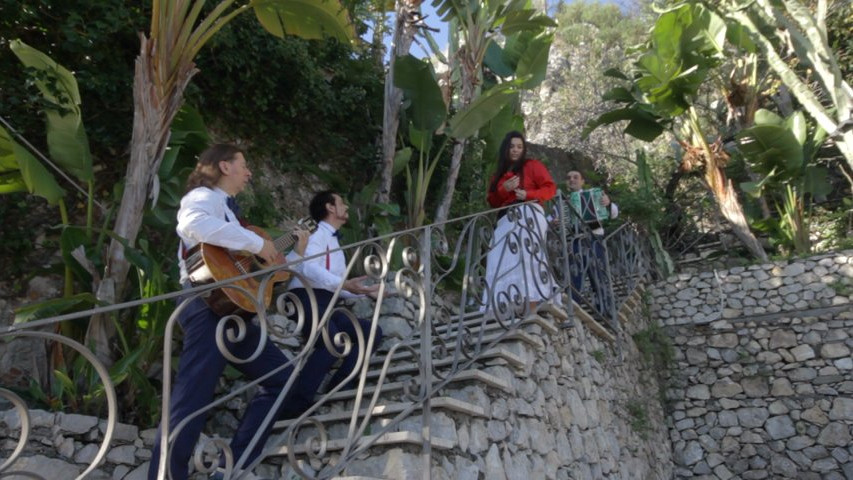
column 517, row 270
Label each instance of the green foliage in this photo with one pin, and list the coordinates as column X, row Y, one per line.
column 21, row 172
column 685, row 43
column 97, row 40
column 321, row 104
column 639, row 418
column 416, row 78
column 782, row 152
column 655, row 346
column 599, row 355
column 307, row 19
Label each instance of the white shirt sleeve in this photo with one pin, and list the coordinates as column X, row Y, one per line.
column 202, row 218
column 614, row 210
column 314, row 269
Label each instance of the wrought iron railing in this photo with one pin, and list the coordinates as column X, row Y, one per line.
column 422, row 268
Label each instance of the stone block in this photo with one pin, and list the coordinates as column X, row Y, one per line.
column 842, row 409
column 835, row 434
column 802, row 353
column 780, row 427
column 834, row 350
column 752, row 417
column 76, row 424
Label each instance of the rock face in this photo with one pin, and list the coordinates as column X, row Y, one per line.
column 776, row 339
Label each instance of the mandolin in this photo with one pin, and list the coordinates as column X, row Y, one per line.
column 208, row 263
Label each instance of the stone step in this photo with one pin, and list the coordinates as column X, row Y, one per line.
column 385, row 439
column 464, row 375
column 593, row 325
column 494, row 332
column 629, row 307
column 476, row 319
column 392, row 386
column 384, row 410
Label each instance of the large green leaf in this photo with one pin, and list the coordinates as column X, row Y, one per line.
column 68, row 144
column 770, row 147
column 796, row 123
column 642, row 124
column 54, row 307
column 484, row 108
column 618, row 94
column 523, row 20
column 417, row 80
column 494, row 59
column 755, row 189
column 738, row 36
column 12, row 182
column 32, row 174
column 534, row 62
column 58, row 85
column 766, row 117
column 401, row 159
column 66, row 137
column 515, row 47
column 705, row 33
column 310, row 19
column 816, row 181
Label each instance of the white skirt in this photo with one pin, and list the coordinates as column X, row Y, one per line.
column 517, row 269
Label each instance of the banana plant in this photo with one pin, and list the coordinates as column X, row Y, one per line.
column 428, row 115
column 67, row 142
column 778, row 27
column 478, row 26
column 783, row 152
column 686, row 43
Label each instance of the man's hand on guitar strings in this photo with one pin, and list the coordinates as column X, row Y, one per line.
column 268, row 253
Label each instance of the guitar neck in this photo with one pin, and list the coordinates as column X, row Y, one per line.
column 284, row 242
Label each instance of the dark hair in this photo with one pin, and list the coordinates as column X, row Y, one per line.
column 317, row 207
column 207, row 172
column 504, row 163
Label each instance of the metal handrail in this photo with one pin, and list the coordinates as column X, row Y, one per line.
column 414, row 265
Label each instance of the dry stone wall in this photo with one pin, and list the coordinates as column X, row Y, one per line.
column 577, row 408
column 763, row 381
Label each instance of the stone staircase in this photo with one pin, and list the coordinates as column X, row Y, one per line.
column 394, row 435
column 393, row 438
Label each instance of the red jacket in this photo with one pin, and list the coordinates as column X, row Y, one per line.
column 535, row 180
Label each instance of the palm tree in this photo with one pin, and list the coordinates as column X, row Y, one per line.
column 163, row 70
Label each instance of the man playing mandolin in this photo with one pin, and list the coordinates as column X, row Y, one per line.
column 208, row 216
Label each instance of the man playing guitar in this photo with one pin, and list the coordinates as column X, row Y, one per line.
column 207, row 215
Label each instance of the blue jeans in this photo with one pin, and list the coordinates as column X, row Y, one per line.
column 201, row 364
column 589, row 261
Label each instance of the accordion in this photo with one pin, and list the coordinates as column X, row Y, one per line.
column 587, row 206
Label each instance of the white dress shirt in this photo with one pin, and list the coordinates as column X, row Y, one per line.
column 328, row 269
column 205, row 217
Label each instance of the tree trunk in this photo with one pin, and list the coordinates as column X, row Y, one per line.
column 470, row 79
column 155, row 106
column 731, row 209
column 404, row 33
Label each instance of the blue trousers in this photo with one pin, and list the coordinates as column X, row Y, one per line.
column 321, row 360
column 201, row 364
column 589, row 261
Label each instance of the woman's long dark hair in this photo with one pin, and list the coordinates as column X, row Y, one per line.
column 207, row 172
column 504, row 163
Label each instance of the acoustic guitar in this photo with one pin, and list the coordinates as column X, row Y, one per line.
column 208, row 263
